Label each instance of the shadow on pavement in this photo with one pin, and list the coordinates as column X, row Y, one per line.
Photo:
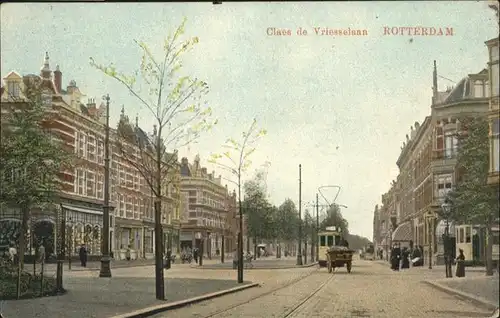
column 99, row 298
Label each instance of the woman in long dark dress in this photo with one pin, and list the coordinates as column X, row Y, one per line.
column 395, row 258
column 460, row 264
column 405, row 259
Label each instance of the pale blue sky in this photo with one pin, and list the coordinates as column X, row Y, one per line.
column 311, row 93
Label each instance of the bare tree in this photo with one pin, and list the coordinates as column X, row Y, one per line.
column 237, row 157
column 180, row 117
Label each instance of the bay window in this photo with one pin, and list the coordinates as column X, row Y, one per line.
column 444, row 184
column 495, row 147
column 478, row 89
column 494, row 79
column 13, row 89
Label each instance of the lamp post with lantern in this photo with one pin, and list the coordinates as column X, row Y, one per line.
column 446, row 209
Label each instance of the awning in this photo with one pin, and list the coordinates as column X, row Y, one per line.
column 82, row 215
column 402, row 233
column 441, row 228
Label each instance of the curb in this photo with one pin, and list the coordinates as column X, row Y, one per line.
column 474, row 299
column 152, row 310
column 119, row 266
column 252, row 268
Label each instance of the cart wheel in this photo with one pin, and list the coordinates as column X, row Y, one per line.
column 349, row 266
column 333, row 269
column 329, row 267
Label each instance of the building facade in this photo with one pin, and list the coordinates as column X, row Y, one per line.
column 81, row 127
column 427, row 172
column 209, row 210
column 493, row 49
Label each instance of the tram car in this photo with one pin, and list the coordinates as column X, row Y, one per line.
column 326, row 239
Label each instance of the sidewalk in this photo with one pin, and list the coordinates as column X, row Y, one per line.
column 128, row 290
column 93, row 266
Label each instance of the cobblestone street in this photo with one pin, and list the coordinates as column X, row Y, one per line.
column 371, row 290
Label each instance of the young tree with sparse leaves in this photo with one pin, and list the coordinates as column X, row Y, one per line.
column 237, row 157
column 31, row 158
column 473, row 200
column 179, row 114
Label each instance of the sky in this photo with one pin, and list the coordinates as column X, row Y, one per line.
column 338, row 105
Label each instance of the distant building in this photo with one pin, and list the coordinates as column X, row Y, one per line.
column 208, row 209
column 493, row 49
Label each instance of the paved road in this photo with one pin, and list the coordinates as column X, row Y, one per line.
column 262, row 263
column 371, row 290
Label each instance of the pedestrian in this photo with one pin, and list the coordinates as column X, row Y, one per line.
column 405, row 259
column 395, row 258
column 195, row 254
column 13, row 253
column 128, row 254
column 235, row 258
column 83, row 255
column 460, row 271
column 41, row 253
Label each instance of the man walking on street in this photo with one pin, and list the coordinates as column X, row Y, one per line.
column 83, row 255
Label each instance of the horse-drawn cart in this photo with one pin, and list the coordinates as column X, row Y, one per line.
column 338, row 256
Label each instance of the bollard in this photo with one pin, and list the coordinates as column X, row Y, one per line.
column 460, row 268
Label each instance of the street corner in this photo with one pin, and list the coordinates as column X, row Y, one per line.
column 152, row 310
column 475, row 299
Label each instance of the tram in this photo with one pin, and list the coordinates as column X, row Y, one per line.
column 328, row 238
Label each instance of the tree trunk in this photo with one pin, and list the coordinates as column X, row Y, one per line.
column 489, row 251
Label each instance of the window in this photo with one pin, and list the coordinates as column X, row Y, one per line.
column 122, row 205
column 330, row 240
column 82, row 144
column 468, row 234
column 90, row 178
column 100, row 151
column 461, row 235
column 136, row 180
column 322, row 240
column 486, row 89
column 494, row 79
column 444, row 184
column 46, row 99
column 129, row 207
column 80, row 181
column 100, row 186
column 141, row 208
column 478, row 89
column 91, row 147
column 439, row 138
column 192, row 193
column 13, row 89
column 451, row 144
column 136, row 208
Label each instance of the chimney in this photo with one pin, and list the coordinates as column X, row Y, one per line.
column 58, row 79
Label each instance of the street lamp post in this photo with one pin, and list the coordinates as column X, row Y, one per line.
column 240, row 234
column 429, row 226
column 317, row 227
column 69, row 224
column 447, row 257
column 105, row 260
column 299, row 252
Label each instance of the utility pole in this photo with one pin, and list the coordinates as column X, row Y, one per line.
column 317, row 227
column 105, row 260
column 299, row 252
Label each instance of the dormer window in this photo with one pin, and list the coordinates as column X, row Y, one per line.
column 13, row 89
column 478, row 89
column 46, row 99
